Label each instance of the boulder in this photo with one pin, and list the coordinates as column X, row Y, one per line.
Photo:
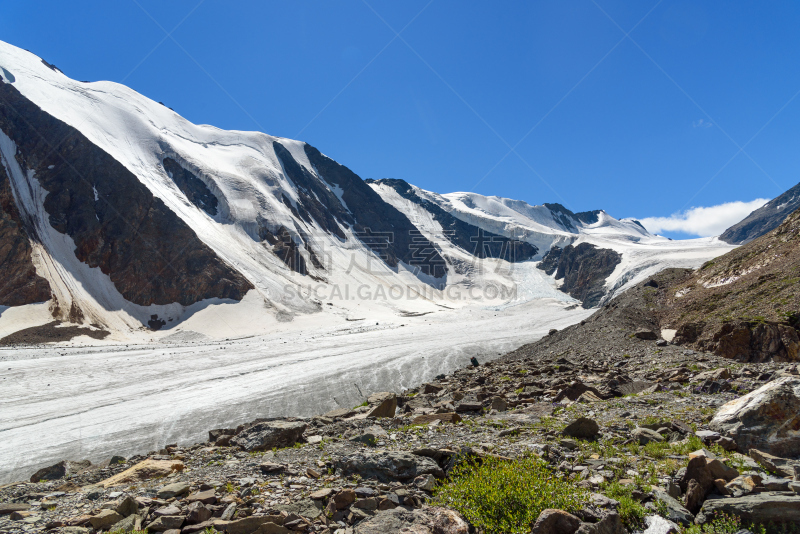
column 173, row 490
column 144, row 470
column 743, row 485
column 553, row 521
column 720, row 470
column 307, row 508
column 648, row 335
column 344, row 498
column 675, row 510
column 431, row 388
column 758, row 507
column 499, row 404
column 382, row 404
column 418, row 521
column 387, row 466
column 205, row 497
column 127, row 524
column 60, row 470
column 582, row 428
column 270, row 434
column 658, row 525
column 127, row 506
column 10, row 507
column 610, row 523
column 371, row 435
column 767, row 419
column 105, row 519
column 715, row 374
column 774, row 464
column 645, row 435
column 198, row 512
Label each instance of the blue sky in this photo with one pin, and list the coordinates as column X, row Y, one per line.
column 541, row 101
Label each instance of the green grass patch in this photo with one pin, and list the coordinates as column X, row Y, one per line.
column 506, row 497
column 630, row 510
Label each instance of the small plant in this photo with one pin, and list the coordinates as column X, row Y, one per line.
column 721, row 524
column 501, row 496
column 630, row 510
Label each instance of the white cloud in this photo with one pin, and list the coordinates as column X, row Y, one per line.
column 702, row 123
column 703, row 222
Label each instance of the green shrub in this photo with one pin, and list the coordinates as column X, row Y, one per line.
column 630, row 510
column 501, row 496
column 722, row 524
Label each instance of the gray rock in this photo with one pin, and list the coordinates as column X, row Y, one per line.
column 610, row 523
column 127, row 524
column 382, row 404
column 552, row 521
column 774, row 464
column 397, row 520
column 173, row 490
column 166, row 522
column 371, row 435
column 104, row 519
column 127, row 506
column 763, row 419
column 307, row 508
column 645, row 435
column 648, row 335
column 198, row 512
column 387, row 466
column 60, row 470
column 758, row 507
column 776, row 484
column 268, row 435
column 9, row 507
column 582, row 428
column 675, row 510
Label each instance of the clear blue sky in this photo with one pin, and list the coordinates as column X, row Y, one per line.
column 634, row 125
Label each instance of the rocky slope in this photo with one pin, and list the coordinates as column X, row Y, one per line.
column 629, row 428
column 743, row 305
column 656, row 434
column 764, row 219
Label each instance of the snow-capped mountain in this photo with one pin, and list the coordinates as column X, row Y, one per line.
column 120, row 217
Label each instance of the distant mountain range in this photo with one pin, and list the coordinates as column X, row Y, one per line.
column 121, row 218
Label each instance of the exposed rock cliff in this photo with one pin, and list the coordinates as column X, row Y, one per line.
column 584, row 269
column 150, row 254
column 20, row 283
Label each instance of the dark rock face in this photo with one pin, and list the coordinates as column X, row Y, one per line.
column 584, row 269
column 316, row 201
column 288, row 251
column 764, row 219
column 150, row 254
column 568, row 218
column 470, row 238
column 757, row 342
column 20, row 283
column 380, row 226
column 193, row 187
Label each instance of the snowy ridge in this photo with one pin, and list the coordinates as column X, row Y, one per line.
column 257, row 198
